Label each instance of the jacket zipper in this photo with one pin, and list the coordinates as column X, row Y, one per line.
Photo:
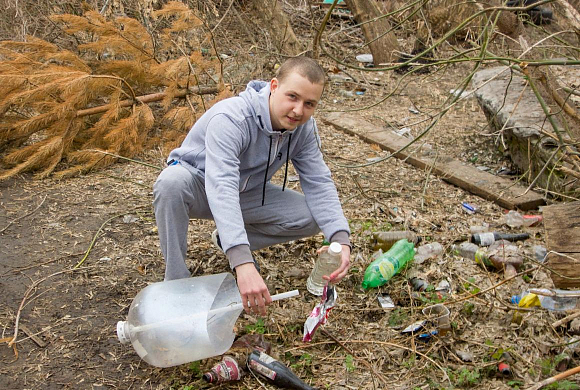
column 278, row 139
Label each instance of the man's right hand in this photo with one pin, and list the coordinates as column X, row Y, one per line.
column 253, row 289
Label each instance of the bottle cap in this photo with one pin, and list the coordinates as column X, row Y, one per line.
column 123, row 332
column 335, row 248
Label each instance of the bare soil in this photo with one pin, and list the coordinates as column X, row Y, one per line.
column 102, row 223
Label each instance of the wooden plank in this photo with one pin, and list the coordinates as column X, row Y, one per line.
column 562, row 224
column 494, row 188
column 564, row 269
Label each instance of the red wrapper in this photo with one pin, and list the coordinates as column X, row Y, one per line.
column 320, row 312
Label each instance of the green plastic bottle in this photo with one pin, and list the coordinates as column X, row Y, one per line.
column 384, row 267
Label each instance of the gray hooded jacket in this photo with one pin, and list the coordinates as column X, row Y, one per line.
column 234, row 144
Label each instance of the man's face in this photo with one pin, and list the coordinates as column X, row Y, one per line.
column 293, row 101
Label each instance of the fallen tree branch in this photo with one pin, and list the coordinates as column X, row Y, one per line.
column 154, row 97
column 555, row 378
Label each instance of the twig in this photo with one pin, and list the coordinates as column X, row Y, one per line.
column 12, row 340
column 94, row 240
column 566, row 319
column 41, row 264
column 492, row 287
column 24, row 216
column 124, row 158
column 223, row 16
column 555, row 378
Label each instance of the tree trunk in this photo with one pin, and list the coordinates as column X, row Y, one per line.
column 278, row 26
column 384, row 48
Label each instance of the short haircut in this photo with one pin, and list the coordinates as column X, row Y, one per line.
column 304, row 66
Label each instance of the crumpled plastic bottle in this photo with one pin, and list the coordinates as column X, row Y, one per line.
column 427, row 251
column 514, row 219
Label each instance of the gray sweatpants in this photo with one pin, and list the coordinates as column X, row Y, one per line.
column 179, row 194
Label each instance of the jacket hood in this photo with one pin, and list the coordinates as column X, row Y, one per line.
column 257, row 94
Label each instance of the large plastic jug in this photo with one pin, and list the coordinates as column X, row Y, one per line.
column 184, row 320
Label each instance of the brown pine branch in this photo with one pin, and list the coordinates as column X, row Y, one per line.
column 154, row 97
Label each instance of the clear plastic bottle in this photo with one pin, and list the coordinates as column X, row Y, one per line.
column 428, row 251
column 471, row 251
column 181, row 321
column 385, row 240
column 514, row 219
column 327, row 263
column 562, row 300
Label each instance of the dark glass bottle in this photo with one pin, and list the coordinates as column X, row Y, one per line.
column 486, row 239
column 275, row 372
column 224, row 371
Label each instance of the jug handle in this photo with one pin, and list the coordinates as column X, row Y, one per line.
column 239, row 306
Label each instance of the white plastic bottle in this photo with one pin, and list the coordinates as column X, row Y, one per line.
column 184, row 320
column 427, row 251
column 327, row 263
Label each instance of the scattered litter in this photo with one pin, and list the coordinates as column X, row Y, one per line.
column 505, row 171
column 540, row 253
column 346, row 93
column 319, row 314
column 130, row 218
column 443, row 289
column 414, row 327
column 427, row 336
column 414, row 110
column 514, row 219
column 464, row 355
column 293, row 178
column 386, row 301
column 418, row 283
column 504, row 369
column 106, row 258
column 469, row 208
column 439, row 315
column 463, row 93
column 340, row 78
column 404, row 132
column 365, row 58
column 428, row 251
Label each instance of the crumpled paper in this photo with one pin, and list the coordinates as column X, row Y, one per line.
column 319, row 314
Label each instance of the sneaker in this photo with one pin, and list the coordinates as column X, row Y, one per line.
column 215, row 238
